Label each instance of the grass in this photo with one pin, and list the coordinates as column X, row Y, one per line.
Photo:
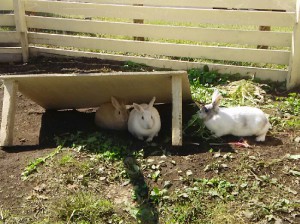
column 83, row 208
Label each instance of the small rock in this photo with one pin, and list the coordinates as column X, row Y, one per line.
column 297, row 139
column 125, row 183
column 189, row 173
column 101, row 170
column 40, row 188
column 80, row 177
column 150, row 160
column 153, row 167
column 173, row 162
column 167, row 184
column 184, row 195
column 217, row 155
column 224, row 166
column 22, row 140
column 248, row 214
column 102, row 178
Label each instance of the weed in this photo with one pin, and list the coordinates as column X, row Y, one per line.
column 66, row 159
column 208, row 78
column 290, row 104
column 156, row 194
column 32, row 167
column 83, row 207
column 105, row 146
column 245, row 92
column 288, row 111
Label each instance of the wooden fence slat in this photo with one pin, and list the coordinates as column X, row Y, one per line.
column 206, row 16
column 9, row 37
column 166, row 49
column 254, row 38
column 261, row 73
column 7, row 20
column 10, row 50
column 245, row 4
column 6, row 5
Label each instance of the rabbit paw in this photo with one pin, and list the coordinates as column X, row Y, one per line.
column 149, row 139
column 260, row 138
column 140, row 138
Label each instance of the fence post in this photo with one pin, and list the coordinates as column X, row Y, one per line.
column 8, row 112
column 293, row 78
column 21, row 27
column 176, row 110
column 141, row 21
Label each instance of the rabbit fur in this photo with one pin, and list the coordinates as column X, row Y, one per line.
column 144, row 121
column 112, row 115
column 238, row 121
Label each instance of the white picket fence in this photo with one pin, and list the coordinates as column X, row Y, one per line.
column 172, row 29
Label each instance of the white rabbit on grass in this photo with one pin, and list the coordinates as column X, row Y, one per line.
column 144, row 121
column 238, row 121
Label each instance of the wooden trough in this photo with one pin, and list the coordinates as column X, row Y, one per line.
column 75, row 91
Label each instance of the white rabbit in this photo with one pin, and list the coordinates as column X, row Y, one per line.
column 112, row 115
column 144, row 121
column 238, row 121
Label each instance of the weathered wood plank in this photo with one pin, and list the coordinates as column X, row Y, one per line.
column 190, row 15
column 176, row 110
column 166, row 49
column 294, row 65
column 7, row 20
column 162, row 32
column 261, row 73
column 246, row 4
column 21, row 27
column 9, row 37
column 6, row 5
column 60, row 91
column 8, row 112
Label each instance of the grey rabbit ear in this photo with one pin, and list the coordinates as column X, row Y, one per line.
column 151, row 102
column 138, row 107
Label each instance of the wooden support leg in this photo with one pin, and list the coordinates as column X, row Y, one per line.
column 8, row 112
column 176, row 110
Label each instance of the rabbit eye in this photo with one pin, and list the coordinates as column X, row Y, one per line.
column 205, row 109
column 143, row 117
column 119, row 112
column 151, row 117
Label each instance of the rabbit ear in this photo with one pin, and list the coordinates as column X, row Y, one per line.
column 115, row 103
column 151, row 102
column 216, row 98
column 138, row 107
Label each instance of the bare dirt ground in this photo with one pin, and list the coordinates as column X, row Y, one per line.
column 35, row 130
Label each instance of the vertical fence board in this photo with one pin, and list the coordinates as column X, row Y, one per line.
column 8, row 112
column 293, row 78
column 176, row 110
column 21, row 27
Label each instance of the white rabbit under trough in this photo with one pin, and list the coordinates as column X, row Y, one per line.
column 75, row 91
